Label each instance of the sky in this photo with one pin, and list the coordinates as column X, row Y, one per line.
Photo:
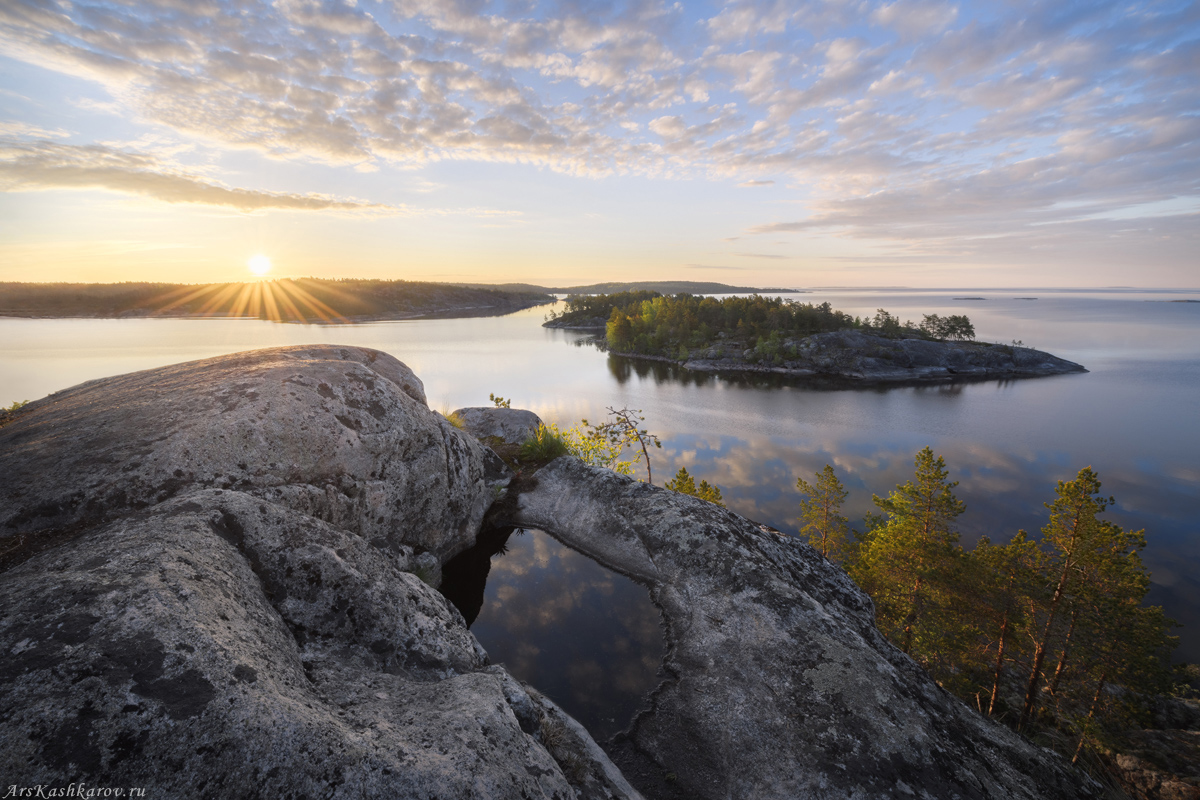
column 793, row 144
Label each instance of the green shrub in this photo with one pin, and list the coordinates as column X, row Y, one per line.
column 545, row 444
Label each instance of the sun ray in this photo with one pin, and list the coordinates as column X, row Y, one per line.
column 268, row 294
column 285, row 299
column 220, row 299
column 323, row 311
column 183, row 295
column 243, row 302
column 256, row 301
column 329, row 288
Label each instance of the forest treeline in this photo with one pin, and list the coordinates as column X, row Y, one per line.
column 648, row 323
column 1048, row 634
column 286, row 299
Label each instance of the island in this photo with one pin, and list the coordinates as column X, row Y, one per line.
column 804, row 340
column 310, row 300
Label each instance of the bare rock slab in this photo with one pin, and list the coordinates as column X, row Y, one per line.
column 339, row 433
column 215, row 582
column 779, row 684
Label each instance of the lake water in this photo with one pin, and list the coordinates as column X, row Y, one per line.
column 586, row 636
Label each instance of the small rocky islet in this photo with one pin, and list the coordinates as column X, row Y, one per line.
column 785, row 337
column 219, row 579
column 861, row 357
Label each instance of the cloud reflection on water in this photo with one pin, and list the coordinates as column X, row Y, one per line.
column 1004, row 491
column 586, row 637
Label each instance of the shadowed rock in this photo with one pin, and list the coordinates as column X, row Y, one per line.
column 779, row 684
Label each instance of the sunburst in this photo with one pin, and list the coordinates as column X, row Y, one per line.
column 282, row 300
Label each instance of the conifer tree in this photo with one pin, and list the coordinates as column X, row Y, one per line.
column 686, row 484
column 1004, row 578
column 1094, row 582
column 820, row 515
column 907, row 561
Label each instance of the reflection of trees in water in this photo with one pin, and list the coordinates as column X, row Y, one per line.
column 464, row 577
column 622, row 368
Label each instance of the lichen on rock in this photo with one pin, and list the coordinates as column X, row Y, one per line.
column 207, row 589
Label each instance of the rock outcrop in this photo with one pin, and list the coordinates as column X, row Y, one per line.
column 214, row 583
column 779, row 684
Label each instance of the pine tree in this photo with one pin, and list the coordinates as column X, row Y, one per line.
column 682, row 482
column 686, row 484
column 1004, row 578
column 906, row 563
column 820, row 514
column 1090, row 606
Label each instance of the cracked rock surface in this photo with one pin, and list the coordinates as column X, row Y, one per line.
column 779, row 684
column 213, row 584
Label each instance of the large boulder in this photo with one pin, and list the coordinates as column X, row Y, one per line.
column 214, row 582
column 778, row 683
column 502, row 425
column 340, row 433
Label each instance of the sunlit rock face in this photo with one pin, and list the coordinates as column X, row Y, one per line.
column 339, row 433
column 508, row 425
column 213, row 583
column 779, row 684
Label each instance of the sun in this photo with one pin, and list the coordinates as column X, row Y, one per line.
column 259, row 264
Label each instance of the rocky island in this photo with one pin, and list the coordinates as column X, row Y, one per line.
column 218, row 579
column 764, row 335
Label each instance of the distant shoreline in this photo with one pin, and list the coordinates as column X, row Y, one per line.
column 448, row 313
column 303, row 300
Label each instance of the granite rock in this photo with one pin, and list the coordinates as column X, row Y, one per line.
column 215, row 582
column 779, row 684
column 339, row 433
column 505, row 425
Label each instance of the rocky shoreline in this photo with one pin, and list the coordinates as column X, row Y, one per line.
column 218, row 579
column 859, row 357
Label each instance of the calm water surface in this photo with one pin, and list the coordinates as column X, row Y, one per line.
column 1135, row 418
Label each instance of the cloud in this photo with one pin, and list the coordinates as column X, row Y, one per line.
column 1019, row 107
column 914, row 18
column 42, row 165
column 711, row 266
column 748, row 184
column 760, row 255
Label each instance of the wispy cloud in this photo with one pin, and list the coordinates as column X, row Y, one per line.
column 42, row 165
column 898, row 120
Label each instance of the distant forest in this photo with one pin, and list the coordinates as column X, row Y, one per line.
column 652, row 324
column 284, row 300
column 614, row 287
